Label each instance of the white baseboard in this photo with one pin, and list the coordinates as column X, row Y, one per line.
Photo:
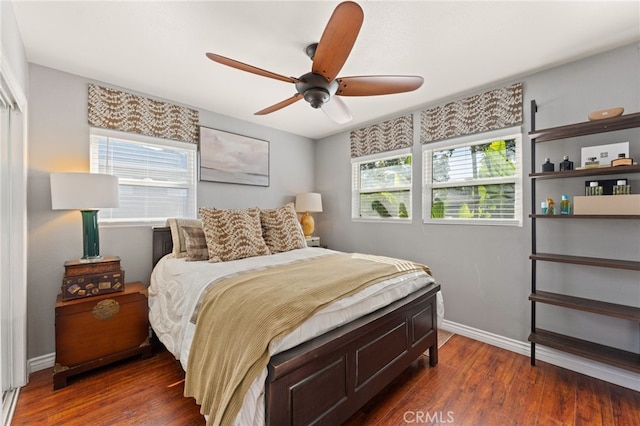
column 9, row 402
column 578, row 364
column 41, row 363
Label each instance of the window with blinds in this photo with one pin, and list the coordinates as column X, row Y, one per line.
column 157, row 177
column 474, row 182
column 381, row 186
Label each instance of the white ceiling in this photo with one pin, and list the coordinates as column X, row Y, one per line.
column 158, row 48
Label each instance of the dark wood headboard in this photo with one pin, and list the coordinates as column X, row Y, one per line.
column 162, row 243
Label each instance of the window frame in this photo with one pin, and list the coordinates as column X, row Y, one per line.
column 470, row 140
column 356, row 183
column 148, row 140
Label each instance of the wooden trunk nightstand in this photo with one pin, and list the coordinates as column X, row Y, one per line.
column 96, row 331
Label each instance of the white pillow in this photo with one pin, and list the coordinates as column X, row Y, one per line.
column 179, row 245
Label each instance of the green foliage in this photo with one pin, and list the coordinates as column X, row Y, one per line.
column 379, row 208
column 437, row 209
column 402, row 211
column 495, row 161
column 464, row 212
column 491, row 160
column 385, row 187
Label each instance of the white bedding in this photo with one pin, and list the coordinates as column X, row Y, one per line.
column 176, row 286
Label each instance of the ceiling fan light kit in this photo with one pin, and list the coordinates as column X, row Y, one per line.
column 316, row 89
column 321, row 87
column 316, row 96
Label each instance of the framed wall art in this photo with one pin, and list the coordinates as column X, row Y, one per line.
column 232, row 158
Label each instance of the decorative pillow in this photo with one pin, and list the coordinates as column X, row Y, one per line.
column 233, row 234
column 281, row 230
column 179, row 248
column 195, row 243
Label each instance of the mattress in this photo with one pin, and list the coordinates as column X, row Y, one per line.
column 177, row 284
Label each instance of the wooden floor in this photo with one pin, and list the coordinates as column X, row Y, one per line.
column 473, row 384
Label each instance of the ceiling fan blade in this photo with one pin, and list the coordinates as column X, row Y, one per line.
column 280, row 105
column 378, row 85
column 337, row 40
column 249, row 68
column 337, row 110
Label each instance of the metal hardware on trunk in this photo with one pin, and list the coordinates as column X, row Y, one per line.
column 105, row 309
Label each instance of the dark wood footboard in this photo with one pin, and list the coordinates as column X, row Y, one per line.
column 327, row 379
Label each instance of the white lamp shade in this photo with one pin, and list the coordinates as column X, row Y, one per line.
column 309, row 202
column 83, row 191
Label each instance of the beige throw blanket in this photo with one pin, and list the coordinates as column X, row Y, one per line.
column 241, row 315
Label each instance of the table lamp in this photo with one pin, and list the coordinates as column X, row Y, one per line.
column 87, row 192
column 308, row 203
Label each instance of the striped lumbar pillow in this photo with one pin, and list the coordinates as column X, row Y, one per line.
column 195, row 243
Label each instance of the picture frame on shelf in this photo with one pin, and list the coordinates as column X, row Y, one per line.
column 232, row 158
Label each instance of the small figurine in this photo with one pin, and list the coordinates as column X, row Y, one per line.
column 551, row 209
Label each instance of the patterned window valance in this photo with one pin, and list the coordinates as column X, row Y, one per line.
column 491, row 110
column 387, row 136
column 113, row 109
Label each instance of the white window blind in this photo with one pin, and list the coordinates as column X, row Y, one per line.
column 381, row 186
column 157, row 177
column 474, row 182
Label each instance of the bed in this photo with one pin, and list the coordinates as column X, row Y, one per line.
column 320, row 373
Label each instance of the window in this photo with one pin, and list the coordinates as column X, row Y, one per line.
column 157, row 176
column 381, row 186
column 474, row 182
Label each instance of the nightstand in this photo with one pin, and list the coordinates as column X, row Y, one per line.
column 95, row 331
column 313, row 241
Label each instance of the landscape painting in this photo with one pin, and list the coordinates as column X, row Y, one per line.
column 232, row 158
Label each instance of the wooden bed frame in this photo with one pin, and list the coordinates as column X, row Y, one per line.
column 327, row 379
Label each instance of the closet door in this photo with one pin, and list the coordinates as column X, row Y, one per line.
column 13, row 242
column 5, row 295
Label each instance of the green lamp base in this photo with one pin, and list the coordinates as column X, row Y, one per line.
column 90, row 236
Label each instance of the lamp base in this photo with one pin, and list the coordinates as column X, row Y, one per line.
column 308, row 225
column 91, row 259
column 90, row 236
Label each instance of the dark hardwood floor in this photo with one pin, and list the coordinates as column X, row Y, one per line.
column 473, row 384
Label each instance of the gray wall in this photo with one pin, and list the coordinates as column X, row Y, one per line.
column 59, row 141
column 485, row 270
column 464, row 258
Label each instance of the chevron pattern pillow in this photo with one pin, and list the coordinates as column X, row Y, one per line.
column 281, row 230
column 233, row 234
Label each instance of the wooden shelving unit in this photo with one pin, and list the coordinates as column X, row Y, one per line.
column 585, row 128
column 600, row 171
column 587, row 261
column 587, row 305
column 605, row 354
column 583, row 216
column 591, row 350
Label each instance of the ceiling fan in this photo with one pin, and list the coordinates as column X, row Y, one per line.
column 322, row 87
